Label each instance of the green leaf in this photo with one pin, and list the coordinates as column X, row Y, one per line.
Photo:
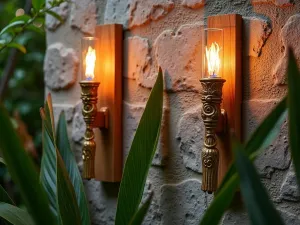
column 18, row 46
column 11, row 25
column 263, row 135
column 66, row 198
column 23, row 172
column 4, row 197
column 68, row 157
column 221, row 202
column 35, row 29
column 15, row 215
column 55, row 15
column 260, row 209
column 48, row 169
column 140, row 155
column 25, row 18
column 294, row 111
column 37, row 4
column 141, row 213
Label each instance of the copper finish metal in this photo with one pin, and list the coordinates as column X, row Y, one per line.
column 92, row 118
column 212, row 118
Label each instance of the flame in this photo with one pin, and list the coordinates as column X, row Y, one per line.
column 213, row 59
column 90, row 61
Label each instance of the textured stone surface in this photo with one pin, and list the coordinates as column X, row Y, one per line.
column 132, row 114
column 289, row 36
column 138, row 58
column 178, row 53
column 289, row 218
column 78, row 125
column 256, row 32
column 277, row 154
column 194, row 4
column 83, row 15
column 117, row 11
column 142, row 12
column 68, row 110
column 60, row 67
column 189, row 206
column 102, row 200
column 190, row 134
column 289, row 189
column 275, row 2
column 153, row 215
column 63, row 11
column 240, row 217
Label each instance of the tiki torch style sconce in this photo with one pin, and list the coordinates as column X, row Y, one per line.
column 101, row 94
column 221, row 95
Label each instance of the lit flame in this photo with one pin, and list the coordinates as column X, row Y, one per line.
column 90, row 61
column 213, row 59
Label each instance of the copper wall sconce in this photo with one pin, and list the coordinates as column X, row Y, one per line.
column 101, row 94
column 221, row 95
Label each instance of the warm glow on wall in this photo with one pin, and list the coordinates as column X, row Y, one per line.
column 90, row 62
column 213, row 59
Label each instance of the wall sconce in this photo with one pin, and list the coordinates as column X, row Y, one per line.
column 212, row 85
column 221, row 66
column 101, row 65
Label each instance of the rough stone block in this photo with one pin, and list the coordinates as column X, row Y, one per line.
column 193, row 4
column 179, row 55
column 68, row 110
column 132, row 114
column 60, row 67
column 63, row 11
column 276, row 154
column 256, row 32
column 289, row 189
column 138, row 58
column 83, row 16
column 183, row 203
column 102, row 198
column 290, row 38
column 117, row 11
column 142, row 12
column 280, row 3
column 190, row 133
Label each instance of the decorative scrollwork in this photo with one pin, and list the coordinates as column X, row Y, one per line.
column 89, row 93
column 211, row 111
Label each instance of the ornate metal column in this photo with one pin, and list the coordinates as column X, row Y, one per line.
column 211, row 115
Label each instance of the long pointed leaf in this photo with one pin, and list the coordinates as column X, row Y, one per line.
column 48, row 170
column 66, row 198
column 4, row 197
column 140, row 155
column 68, row 157
column 141, row 213
column 294, row 112
column 260, row 209
column 263, row 135
column 15, row 215
column 23, row 172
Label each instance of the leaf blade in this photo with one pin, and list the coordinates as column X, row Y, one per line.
column 15, row 215
column 23, row 172
column 140, row 156
column 68, row 157
column 260, row 209
column 141, row 213
column 294, row 112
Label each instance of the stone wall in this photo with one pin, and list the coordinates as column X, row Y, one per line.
column 166, row 33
